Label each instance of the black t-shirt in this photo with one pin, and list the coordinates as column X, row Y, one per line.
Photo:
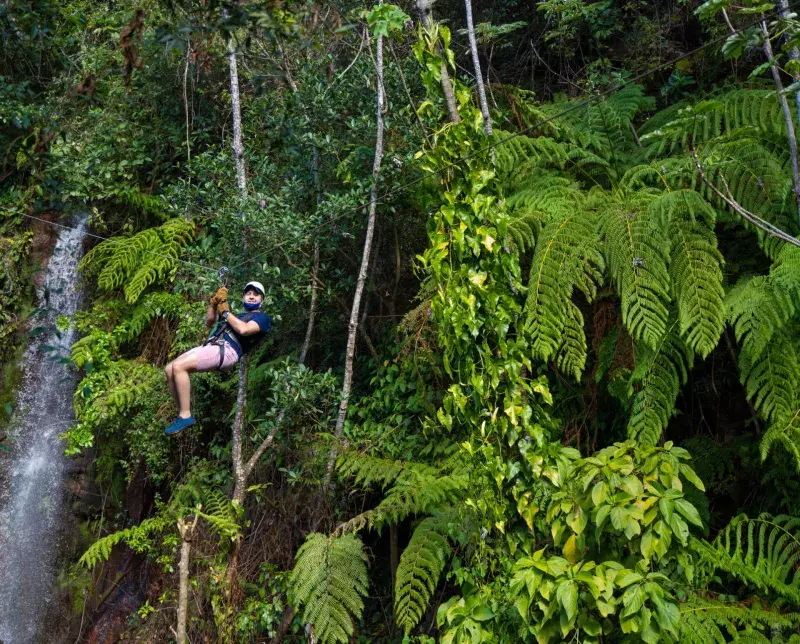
column 244, row 343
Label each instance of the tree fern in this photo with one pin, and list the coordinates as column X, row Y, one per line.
column 140, row 260
column 328, row 582
column 763, row 552
column 659, row 374
column 421, row 564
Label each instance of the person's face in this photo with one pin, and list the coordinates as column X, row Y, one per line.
column 252, row 296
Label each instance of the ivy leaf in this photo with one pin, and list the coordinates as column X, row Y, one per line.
column 477, row 278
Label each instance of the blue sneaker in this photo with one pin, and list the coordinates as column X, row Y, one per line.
column 179, row 424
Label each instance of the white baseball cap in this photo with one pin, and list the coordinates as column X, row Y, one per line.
column 256, row 285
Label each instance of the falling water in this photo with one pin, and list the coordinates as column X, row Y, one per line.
column 31, row 505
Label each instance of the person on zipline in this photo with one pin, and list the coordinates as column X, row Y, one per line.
column 231, row 337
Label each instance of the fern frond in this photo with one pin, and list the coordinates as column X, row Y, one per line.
column 637, row 257
column 763, row 552
column 140, row 260
column 696, row 278
column 367, row 469
column 100, row 550
column 218, row 510
column 784, row 432
column 523, row 153
column 158, row 304
column 571, row 355
column 712, row 622
column 328, row 582
column 771, row 377
column 660, row 374
column 418, row 573
column 675, row 127
column 415, row 489
column 566, row 257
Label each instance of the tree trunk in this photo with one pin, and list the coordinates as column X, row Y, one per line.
column 236, row 108
column 794, row 54
column 237, row 453
column 787, row 114
column 186, row 531
column 473, row 45
column 424, row 7
column 362, row 273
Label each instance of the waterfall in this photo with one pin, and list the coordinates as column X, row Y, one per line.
column 30, row 506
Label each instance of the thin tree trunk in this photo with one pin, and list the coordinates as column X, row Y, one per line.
column 787, row 114
column 236, row 108
column 313, row 308
column 362, row 273
column 186, row 531
column 473, row 45
column 424, row 7
column 794, row 54
column 237, row 453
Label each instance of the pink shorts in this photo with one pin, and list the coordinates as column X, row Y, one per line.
column 208, row 357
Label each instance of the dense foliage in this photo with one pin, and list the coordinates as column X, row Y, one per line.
column 574, row 413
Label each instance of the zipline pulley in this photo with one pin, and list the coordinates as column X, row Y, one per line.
column 223, row 275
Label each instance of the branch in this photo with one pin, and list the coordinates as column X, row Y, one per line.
column 754, row 219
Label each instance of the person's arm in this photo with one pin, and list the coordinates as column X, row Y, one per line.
column 240, row 326
column 211, row 316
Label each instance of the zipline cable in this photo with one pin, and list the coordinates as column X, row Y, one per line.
column 572, row 108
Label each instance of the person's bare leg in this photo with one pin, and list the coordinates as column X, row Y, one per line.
column 171, row 384
column 181, row 368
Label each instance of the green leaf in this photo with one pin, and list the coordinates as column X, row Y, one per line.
column 567, row 595
column 633, row 600
column 689, row 512
column 690, row 475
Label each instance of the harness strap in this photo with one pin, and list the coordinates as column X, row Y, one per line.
column 221, row 353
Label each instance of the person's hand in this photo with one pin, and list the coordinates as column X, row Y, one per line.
column 222, row 307
column 220, row 296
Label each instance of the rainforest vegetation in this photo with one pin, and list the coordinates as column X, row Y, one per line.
column 532, row 267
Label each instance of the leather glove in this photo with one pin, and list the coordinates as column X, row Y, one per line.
column 222, row 307
column 220, row 296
